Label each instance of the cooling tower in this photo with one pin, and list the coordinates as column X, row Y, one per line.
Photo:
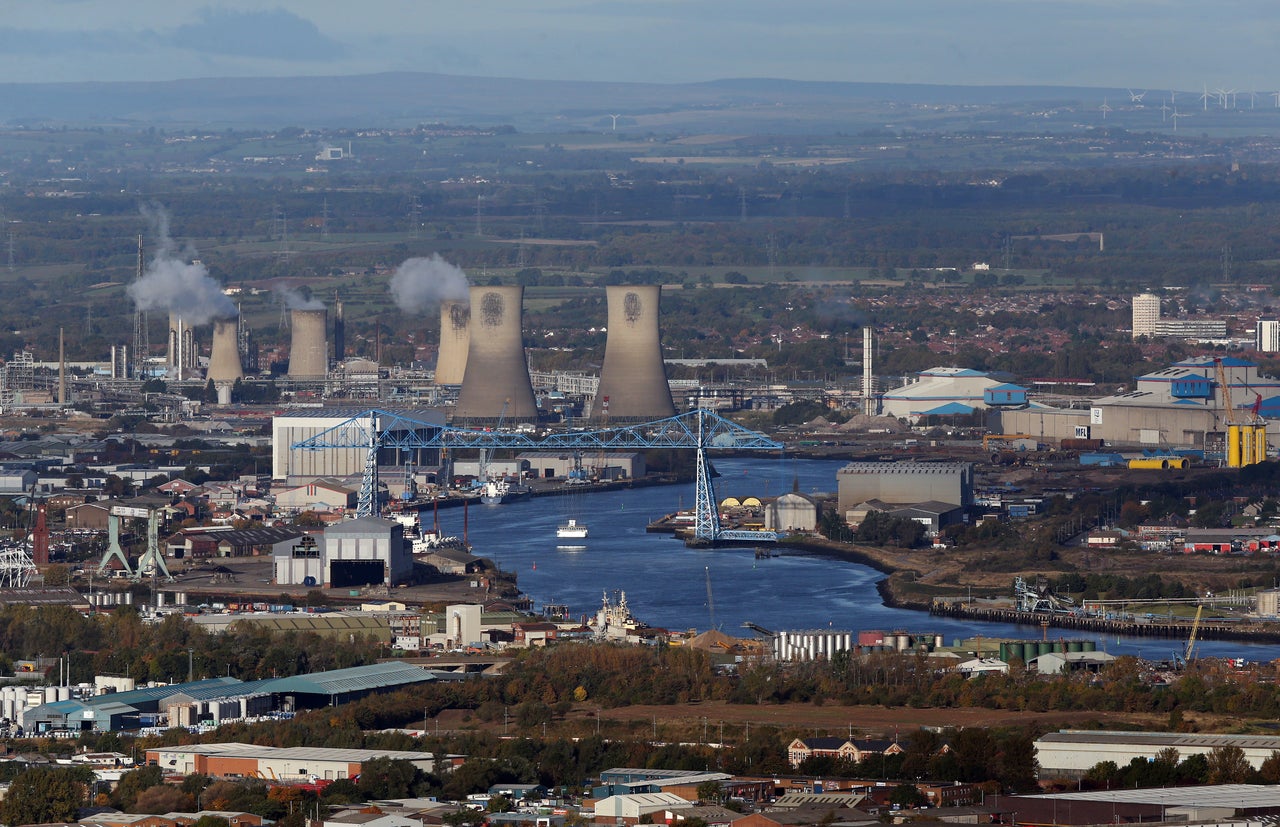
column 308, row 353
column 455, row 339
column 224, row 356
column 497, row 374
column 633, row 378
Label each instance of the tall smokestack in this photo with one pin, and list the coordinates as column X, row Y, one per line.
column 455, row 339
column 633, row 379
column 62, row 369
column 868, row 375
column 224, row 355
column 339, row 332
column 181, row 347
column 308, row 352
column 497, row 377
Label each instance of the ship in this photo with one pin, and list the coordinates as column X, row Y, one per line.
column 572, row 530
column 496, row 492
column 423, row 542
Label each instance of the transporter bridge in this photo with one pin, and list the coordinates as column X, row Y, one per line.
column 699, row 430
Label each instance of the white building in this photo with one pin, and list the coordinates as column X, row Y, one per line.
column 1146, row 314
column 303, row 423
column 1071, row 753
column 945, row 391
column 365, row 551
column 1267, row 338
column 791, row 512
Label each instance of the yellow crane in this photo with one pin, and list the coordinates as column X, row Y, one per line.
column 1191, row 639
column 1246, row 441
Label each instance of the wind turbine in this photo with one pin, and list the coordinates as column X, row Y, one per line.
column 1164, row 110
column 1276, row 95
column 1205, row 98
column 1174, row 117
column 1104, row 109
column 615, row 121
column 1136, row 97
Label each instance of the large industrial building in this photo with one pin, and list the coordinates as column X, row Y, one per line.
column 945, row 391
column 1180, row 406
column 360, row 552
column 1071, row 753
column 301, row 466
column 904, row 483
column 219, row 699
column 283, row 763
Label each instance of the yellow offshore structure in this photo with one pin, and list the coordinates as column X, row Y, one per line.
column 1246, row 441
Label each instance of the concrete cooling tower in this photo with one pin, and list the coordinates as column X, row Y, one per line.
column 497, row 373
column 308, row 352
column 224, row 357
column 633, row 378
column 455, row 339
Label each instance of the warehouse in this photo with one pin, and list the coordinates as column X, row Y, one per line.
column 1071, row 753
column 360, row 552
column 904, row 483
column 206, row 699
column 288, row 763
column 950, row 392
column 288, row 463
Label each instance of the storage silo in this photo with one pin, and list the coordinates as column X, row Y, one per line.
column 455, row 337
column 224, row 356
column 308, row 352
column 633, row 379
column 497, row 382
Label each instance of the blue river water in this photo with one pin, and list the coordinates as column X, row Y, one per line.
column 666, row 582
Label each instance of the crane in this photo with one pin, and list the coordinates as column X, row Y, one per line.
column 1246, row 441
column 1191, row 639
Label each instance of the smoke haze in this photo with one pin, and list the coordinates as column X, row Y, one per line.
column 421, row 283
column 294, row 300
column 170, row 282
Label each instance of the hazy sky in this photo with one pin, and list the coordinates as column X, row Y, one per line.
column 1155, row 44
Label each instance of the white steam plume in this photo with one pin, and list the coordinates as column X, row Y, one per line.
column 294, row 300
column 420, row 283
column 171, row 283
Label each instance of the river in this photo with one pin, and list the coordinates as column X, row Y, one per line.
column 667, row 584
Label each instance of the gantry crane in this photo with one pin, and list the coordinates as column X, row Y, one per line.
column 699, row 430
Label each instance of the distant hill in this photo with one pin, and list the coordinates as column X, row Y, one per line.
column 399, row 99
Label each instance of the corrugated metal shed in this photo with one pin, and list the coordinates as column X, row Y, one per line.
column 356, row 679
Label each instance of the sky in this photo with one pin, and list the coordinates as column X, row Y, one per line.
column 1147, row 44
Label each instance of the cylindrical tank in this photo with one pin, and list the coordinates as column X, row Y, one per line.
column 64, row 693
column 455, row 339
column 224, row 354
column 1075, row 646
column 1004, row 651
column 50, row 694
column 128, row 598
column 633, row 378
column 308, row 351
column 496, row 385
column 1090, row 646
column 1044, row 647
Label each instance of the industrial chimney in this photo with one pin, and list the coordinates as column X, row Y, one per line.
column 633, row 380
column 308, row 352
column 497, row 377
column 455, row 338
column 224, row 356
column 182, row 347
